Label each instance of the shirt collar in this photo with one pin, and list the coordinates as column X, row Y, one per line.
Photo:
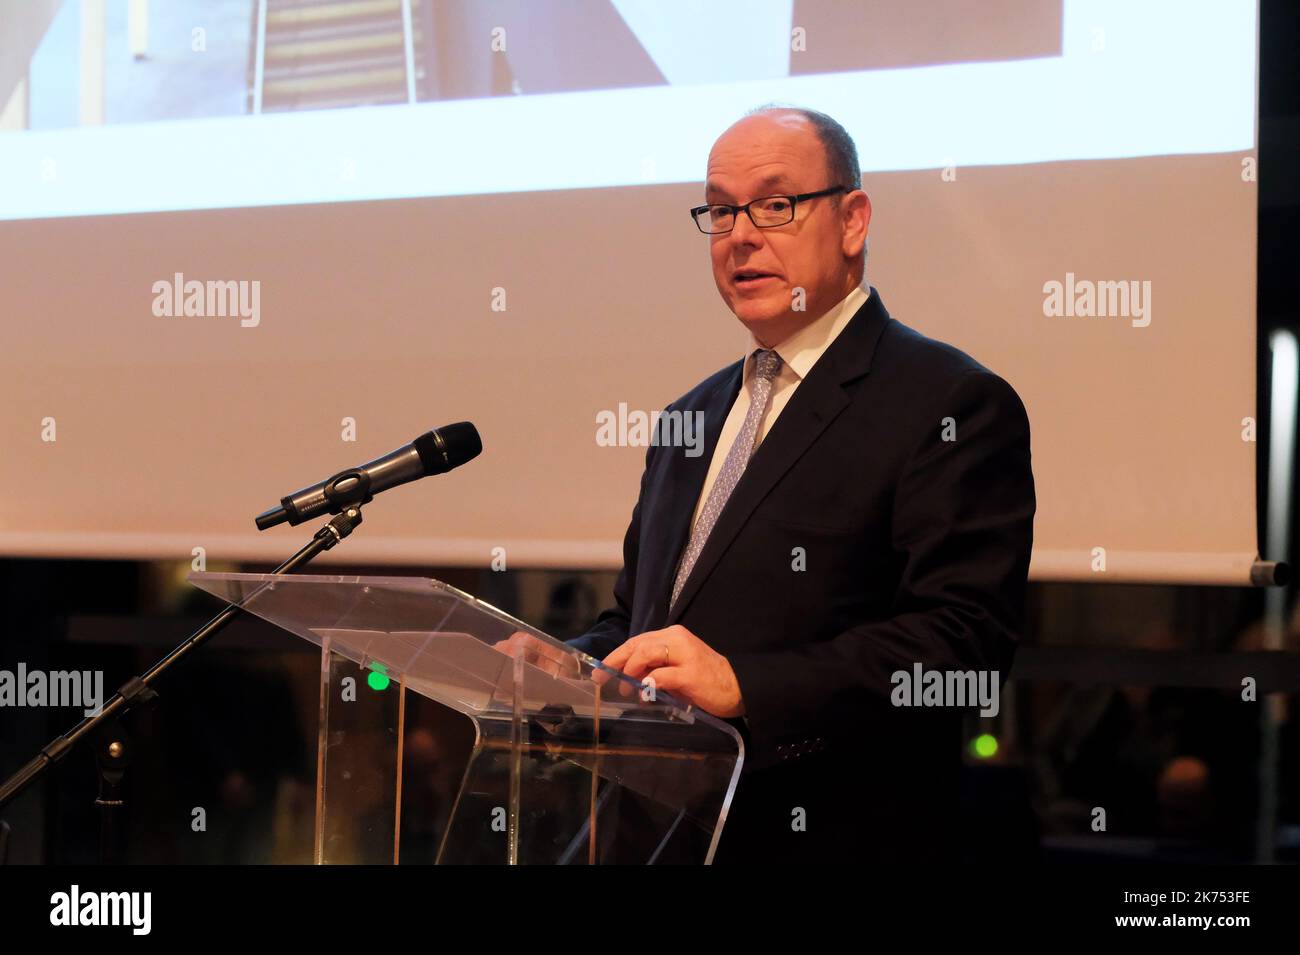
column 801, row 350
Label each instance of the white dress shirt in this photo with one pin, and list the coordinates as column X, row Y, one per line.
column 798, row 354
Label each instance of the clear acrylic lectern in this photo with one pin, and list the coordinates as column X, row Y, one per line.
column 560, row 759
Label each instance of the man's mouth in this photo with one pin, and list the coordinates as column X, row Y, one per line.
column 752, row 278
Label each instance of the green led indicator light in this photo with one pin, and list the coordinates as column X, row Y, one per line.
column 378, row 678
column 984, row 745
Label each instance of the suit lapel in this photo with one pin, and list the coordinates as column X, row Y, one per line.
column 687, row 480
column 818, row 400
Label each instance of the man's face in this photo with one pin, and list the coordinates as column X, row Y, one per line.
column 759, row 270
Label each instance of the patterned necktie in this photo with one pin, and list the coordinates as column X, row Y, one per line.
column 767, row 364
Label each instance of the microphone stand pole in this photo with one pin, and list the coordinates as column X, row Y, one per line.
column 139, row 689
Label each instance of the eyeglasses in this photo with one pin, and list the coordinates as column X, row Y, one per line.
column 767, row 212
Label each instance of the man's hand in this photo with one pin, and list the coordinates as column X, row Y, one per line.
column 678, row 662
column 551, row 659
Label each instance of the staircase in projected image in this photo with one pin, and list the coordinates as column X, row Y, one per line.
column 326, row 54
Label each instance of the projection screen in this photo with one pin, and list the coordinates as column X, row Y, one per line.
column 244, row 246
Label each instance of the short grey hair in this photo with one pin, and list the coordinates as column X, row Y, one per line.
column 841, row 151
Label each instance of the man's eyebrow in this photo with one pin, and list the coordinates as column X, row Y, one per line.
column 713, row 190
column 774, row 181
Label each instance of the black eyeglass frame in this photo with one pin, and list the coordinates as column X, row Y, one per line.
column 737, row 210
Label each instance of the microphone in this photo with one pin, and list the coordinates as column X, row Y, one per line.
column 436, row 452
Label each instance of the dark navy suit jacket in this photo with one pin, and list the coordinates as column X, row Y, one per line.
column 916, row 548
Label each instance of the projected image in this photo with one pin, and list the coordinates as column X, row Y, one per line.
column 129, row 61
column 115, row 106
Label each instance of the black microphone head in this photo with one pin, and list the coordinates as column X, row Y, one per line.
column 448, row 447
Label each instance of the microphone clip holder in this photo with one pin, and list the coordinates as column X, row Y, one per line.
column 347, row 488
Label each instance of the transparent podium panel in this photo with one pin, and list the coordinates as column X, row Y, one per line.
column 452, row 733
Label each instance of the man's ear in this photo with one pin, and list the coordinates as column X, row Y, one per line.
column 855, row 212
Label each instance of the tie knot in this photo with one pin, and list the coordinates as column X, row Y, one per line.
column 766, row 363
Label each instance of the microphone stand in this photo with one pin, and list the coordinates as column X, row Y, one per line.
column 112, row 746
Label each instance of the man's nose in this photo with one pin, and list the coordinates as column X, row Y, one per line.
column 744, row 232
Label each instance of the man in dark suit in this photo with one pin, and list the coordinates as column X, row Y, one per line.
column 864, row 503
